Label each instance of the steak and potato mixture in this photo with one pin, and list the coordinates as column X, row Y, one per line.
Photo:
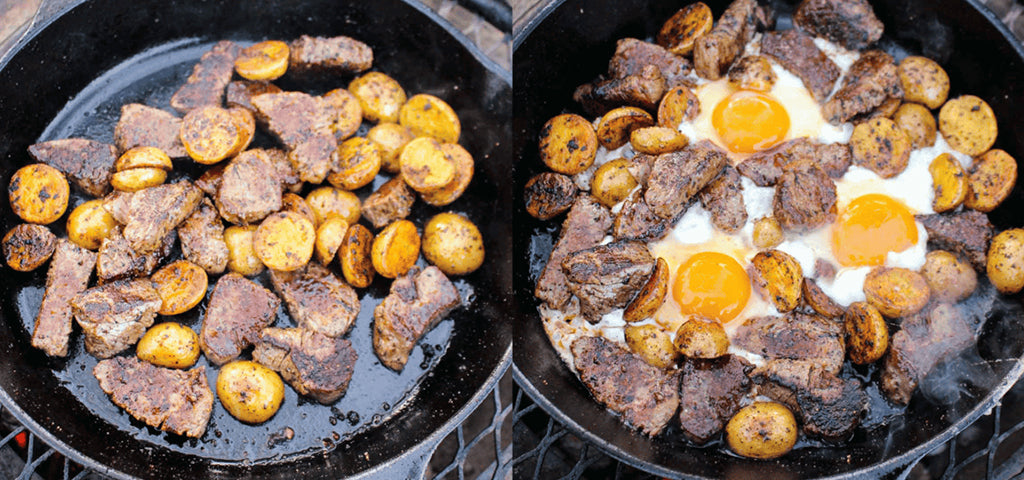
column 161, row 242
column 757, row 219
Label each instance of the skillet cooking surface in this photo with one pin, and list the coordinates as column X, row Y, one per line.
column 572, row 46
column 71, row 81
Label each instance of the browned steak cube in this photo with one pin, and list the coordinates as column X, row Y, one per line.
column 647, row 397
column 677, row 176
column 249, row 189
column 338, row 55
column 205, row 86
column 87, row 163
column 829, row 407
column 584, row 227
column 805, row 199
column 240, row 93
column 68, row 276
column 176, row 401
column 761, row 168
column 300, row 121
column 148, row 215
column 632, row 55
column 236, row 313
column 850, row 23
column 710, row 394
column 202, row 239
column 795, row 336
column 417, row 302
column 965, row 233
column 871, row 81
column 924, row 341
column 607, row 277
column 636, row 221
column 723, row 197
column 116, row 315
column 643, row 90
column 714, row 52
column 392, row 201
column 314, row 365
column 117, row 259
column 797, row 53
column 210, row 180
column 317, row 300
column 142, row 126
column 286, row 173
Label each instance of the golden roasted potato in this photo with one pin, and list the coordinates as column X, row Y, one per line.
column 1005, row 265
column 329, row 201
column 651, row 296
column 453, row 243
column 181, row 285
column 652, row 344
column 242, row 258
column 549, row 194
column 170, row 345
column 38, row 193
column 819, row 301
column 767, row 233
column 354, row 255
column 27, row 246
column 680, row 32
column 880, row 146
column 777, row 276
column 294, row 203
column 210, row 134
column 137, row 179
column 679, row 104
column 424, row 165
column 90, row 223
column 428, row 116
column 345, row 113
column 265, row 61
column 657, row 140
column 701, row 337
column 918, row 122
column 391, row 138
column 968, row 125
column 329, row 236
column 284, row 241
column 249, row 391
column 990, row 180
column 463, row 175
column 246, row 125
column 395, row 249
column 949, row 278
column 612, row 182
column 568, row 144
column 615, row 127
column 949, row 182
column 143, row 157
column 753, row 72
column 762, row 430
column 923, row 81
column 896, row 292
column 358, row 162
column 380, row 96
column 867, row 335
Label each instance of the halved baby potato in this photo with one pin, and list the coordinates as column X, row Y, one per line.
column 428, row 116
column 896, row 292
column 657, row 140
column 354, row 255
column 329, row 201
column 949, row 278
column 651, row 296
column 867, row 335
column 1005, row 262
column 143, row 157
column 652, row 344
column 701, row 337
column 991, row 179
column 968, row 125
column 297, row 204
column 170, row 345
column 453, row 243
column 612, row 182
column 395, row 249
column 391, row 138
column 90, row 223
column 880, row 146
column 38, row 193
column 380, row 96
column 682, row 30
column 949, row 182
column 329, row 237
column 284, row 241
column 346, row 114
column 678, row 105
column 249, row 391
column 242, row 258
column 919, row 124
column 266, row 61
column 923, row 81
column 181, row 285
column 762, row 430
column 615, row 127
column 778, row 277
column 28, row 246
column 463, row 175
column 568, row 144
column 358, row 162
column 424, row 165
column 210, row 134
column 137, row 179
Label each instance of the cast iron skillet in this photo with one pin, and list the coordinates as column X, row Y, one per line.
column 570, row 43
column 69, row 78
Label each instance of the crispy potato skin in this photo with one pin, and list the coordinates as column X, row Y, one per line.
column 28, row 246
column 949, row 278
column 762, row 430
column 242, row 258
column 267, row 60
column 90, row 223
column 652, row 344
column 170, row 345
column 357, row 165
column 949, row 182
column 137, row 179
column 612, row 182
column 391, row 138
column 424, row 165
column 354, row 255
column 651, row 296
column 923, row 81
column 867, row 335
column 428, row 116
column 568, row 144
column 881, row 146
column 918, row 123
column 767, row 233
column 38, row 193
column 210, row 134
column 380, row 96
column 329, row 201
column 615, row 127
column 453, row 243
column 679, row 104
column 284, row 241
column 990, row 179
column 464, row 167
column 968, row 124
column 778, row 277
column 657, row 140
column 1005, row 265
column 143, row 157
column 820, row 302
column 896, row 292
column 329, row 236
column 181, row 285
column 249, row 391
column 395, row 249
column 702, row 338
column 680, row 32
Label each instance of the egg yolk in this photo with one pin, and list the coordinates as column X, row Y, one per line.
column 713, row 285
column 749, row 122
column 869, row 228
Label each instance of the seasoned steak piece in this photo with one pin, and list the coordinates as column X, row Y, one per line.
column 797, row 53
column 872, row 79
column 829, row 407
column 646, row 396
column 202, row 239
column 677, row 176
column 710, row 394
column 336, row 55
column 236, row 313
column 117, row 260
column 762, row 168
column 850, row 23
column 316, row 299
column 584, row 227
column 640, row 167
column 643, row 90
column 249, row 189
column 636, row 221
column 314, row 365
column 392, row 201
column 417, row 303
column 148, row 215
column 805, row 199
column 632, row 55
column 723, row 197
column 205, row 86
column 68, row 276
column 966, row 233
column 143, row 126
column 796, row 336
column 176, row 401
column 801, row 153
column 607, row 277
column 924, row 341
column 300, row 121
column 87, row 163
column 240, row 92
column 549, row 194
column 286, row 173
column 210, row 180
column 116, row 315
column 714, row 52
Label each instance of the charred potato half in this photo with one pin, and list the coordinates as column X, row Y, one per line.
column 678, row 105
column 778, row 277
column 923, row 81
column 762, row 430
column 753, row 72
column 1005, row 264
column 568, row 144
column 424, row 165
column 380, row 96
column 657, row 140
column 615, row 127
column 702, row 338
column 391, row 138
column 549, row 194
column 395, row 249
column 170, row 345
column 612, row 182
column 181, row 286
column 329, row 237
column 358, row 161
column 89, row 224
column 680, row 32
column 990, row 178
column 918, row 123
column 143, row 157
column 880, row 146
column 968, row 124
column 652, row 344
column 949, row 182
column 326, row 202
column 819, row 301
column 867, row 335
column 28, row 246
column 428, row 116
column 949, row 278
column 249, row 391
column 896, row 292
column 38, row 193
column 354, row 255
column 767, row 233
column 294, row 203
column 284, row 241
column 453, row 244
column 651, row 296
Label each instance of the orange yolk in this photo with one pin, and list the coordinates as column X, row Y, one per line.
column 749, row 122
column 712, row 285
column 872, row 226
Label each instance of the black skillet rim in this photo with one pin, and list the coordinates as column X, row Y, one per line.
column 428, row 444
column 890, row 464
